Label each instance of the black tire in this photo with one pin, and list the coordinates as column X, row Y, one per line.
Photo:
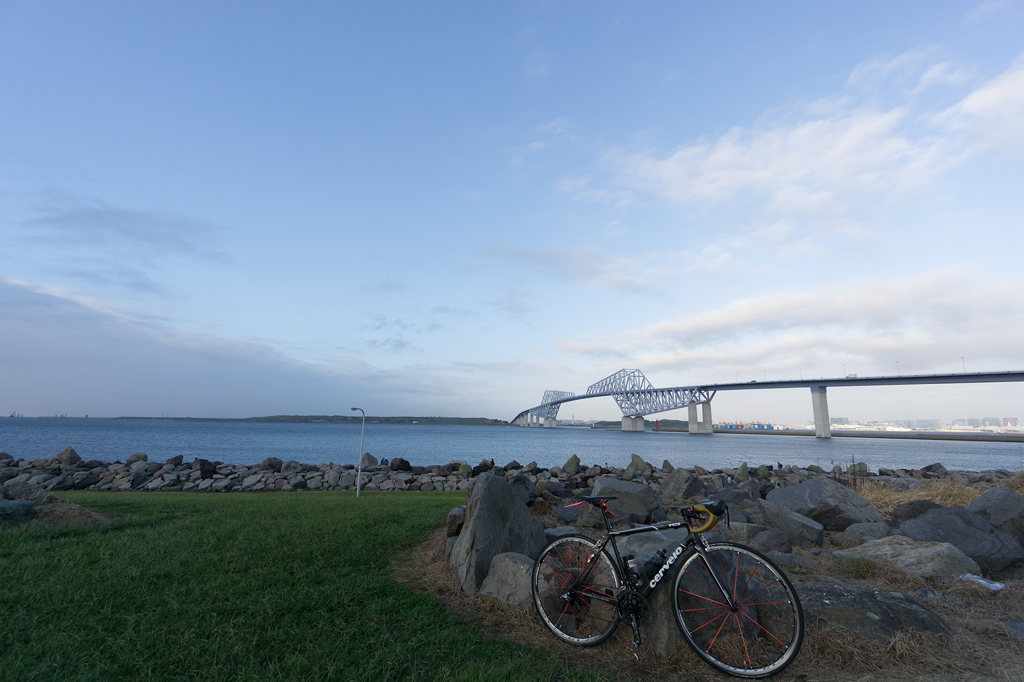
column 762, row 635
column 563, row 591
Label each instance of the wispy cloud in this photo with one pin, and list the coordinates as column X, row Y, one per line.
column 928, row 319
column 835, row 151
column 100, row 224
column 585, row 265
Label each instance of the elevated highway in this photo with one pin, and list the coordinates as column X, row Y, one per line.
column 637, row 397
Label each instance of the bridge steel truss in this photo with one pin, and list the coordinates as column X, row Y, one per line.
column 637, row 397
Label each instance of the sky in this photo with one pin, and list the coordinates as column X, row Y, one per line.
column 237, row 209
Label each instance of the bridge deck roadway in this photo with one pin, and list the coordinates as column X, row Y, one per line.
column 813, row 384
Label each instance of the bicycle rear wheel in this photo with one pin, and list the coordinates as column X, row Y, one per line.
column 757, row 638
column 567, row 590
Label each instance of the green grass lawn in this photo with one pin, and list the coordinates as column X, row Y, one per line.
column 283, row 586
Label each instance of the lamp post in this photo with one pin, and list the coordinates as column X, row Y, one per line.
column 359, row 464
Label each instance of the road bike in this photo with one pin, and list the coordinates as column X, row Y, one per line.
column 735, row 608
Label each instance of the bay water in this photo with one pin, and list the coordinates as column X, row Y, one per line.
column 251, row 442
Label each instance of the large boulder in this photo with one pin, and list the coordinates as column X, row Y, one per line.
column 456, row 519
column 994, row 550
column 772, row 540
column 68, row 456
column 631, row 498
column 856, row 531
column 137, row 457
column 272, row 464
column 291, row 467
column 524, row 488
column 13, row 512
column 924, row 559
column 1004, row 509
column 572, row 465
column 801, row 531
column 400, row 464
column 496, row 522
column 368, row 460
column 508, row 581
column 680, row 485
column 911, row 510
column 831, row 504
column 735, row 495
column 868, row 612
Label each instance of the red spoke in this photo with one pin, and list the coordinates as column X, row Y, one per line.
column 701, row 596
column 763, row 628
column 709, row 623
column 743, row 639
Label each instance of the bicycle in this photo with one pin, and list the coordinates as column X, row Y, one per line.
column 736, row 609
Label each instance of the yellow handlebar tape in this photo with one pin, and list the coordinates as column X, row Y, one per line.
column 712, row 520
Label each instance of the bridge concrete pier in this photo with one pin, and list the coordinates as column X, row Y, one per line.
column 819, row 401
column 704, row 426
column 634, row 424
column 550, row 423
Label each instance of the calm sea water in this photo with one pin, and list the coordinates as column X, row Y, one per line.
column 250, row 443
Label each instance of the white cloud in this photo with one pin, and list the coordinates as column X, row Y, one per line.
column 926, row 320
column 835, row 152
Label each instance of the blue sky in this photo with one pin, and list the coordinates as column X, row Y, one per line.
column 235, row 209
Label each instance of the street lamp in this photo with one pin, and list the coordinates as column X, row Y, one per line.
column 359, row 474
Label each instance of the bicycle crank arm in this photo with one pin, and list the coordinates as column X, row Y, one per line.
column 636, row 631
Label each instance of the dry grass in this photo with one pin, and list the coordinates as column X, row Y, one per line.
column 943, row 493
column 980, row 647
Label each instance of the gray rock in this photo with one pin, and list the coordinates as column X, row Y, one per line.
column 742, row 474
column 868, row 612
column 272, row 464
column 680, row 485
column 456, row 519
column 569, row 514
column 924, row 559
column 13, row 512
column 524, row 488
column 137, row 457
column 62, row 482
column 176, row 460
column 572, row 466
column 400, row 464
column 911, row 510
column 787, row 560
column 552, row 534
column 508, row 581
column 40, row 479
column 632, row 498
column 934, row 471
column 369, row 460
column 1004, row 509
column 667, row 467
column 315, row 483
column 854, row 532
column 993, row 550
column 69, row 456
column 347, row 480
column 831, row 504
column 333, row 478
column 801, row 531
column 556, row 488
column 742, row 532
column 250, row 481
column 496, row 522
column 772, row 540
column 465, row 471
column 222, row 484
column 291, row 467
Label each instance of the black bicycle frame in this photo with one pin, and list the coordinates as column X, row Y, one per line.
column 648, row 585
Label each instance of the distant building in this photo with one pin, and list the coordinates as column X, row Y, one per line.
column 840, row 421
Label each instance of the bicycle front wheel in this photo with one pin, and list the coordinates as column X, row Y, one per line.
column 761, row 633
column 574, row 589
